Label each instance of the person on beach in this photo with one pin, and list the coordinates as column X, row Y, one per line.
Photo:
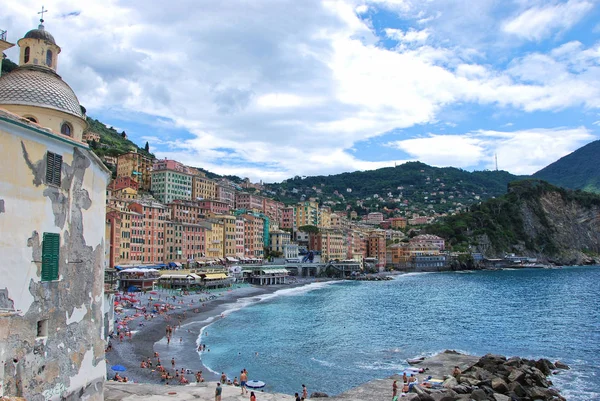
column 223, row 378
column 304, row 392
column 296, row 397
column 394, row 389
column 218, row 392
column 456, row 372
column 235, row 381
column 199, row 378
column 173, row 362
column 252, row 396
column 243, row 380
column 404, row 377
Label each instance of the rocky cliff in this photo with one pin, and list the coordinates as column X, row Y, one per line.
column 533, row 219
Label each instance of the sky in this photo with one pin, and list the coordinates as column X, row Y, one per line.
column 272, row 89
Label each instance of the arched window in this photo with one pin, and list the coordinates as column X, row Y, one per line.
column 49, row 58
column 66, row 129
column 26, row 55
column 30, row 118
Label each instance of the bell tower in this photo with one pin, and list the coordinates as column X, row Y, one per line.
column 38, row 48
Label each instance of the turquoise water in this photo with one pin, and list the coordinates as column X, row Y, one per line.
column 332, row 337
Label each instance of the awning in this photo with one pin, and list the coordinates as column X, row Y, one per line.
column 274, row 271
column 215, row 276
column 118, row 268
column 230, row 259
column 171, row 264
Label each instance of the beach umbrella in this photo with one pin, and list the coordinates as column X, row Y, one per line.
column 157, row 305
column 153, row 292
column 119, row 368
column 255, row 384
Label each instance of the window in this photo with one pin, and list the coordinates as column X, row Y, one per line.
column 50, row 253
column 26, row 55
column 42, row 328
column 49, row 58
column 66, row 129
column 53, row 168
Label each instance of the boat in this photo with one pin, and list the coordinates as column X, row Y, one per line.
column 255, row 384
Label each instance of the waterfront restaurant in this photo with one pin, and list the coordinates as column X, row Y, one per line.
column 186, row 281
column 215, row 279
column 265, row 275
column 142, row 278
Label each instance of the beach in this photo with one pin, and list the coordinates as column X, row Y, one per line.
column 188, row 315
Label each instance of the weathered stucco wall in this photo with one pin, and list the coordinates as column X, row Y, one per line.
column 69, row 361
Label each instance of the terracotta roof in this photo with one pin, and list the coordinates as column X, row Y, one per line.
column 38, row 86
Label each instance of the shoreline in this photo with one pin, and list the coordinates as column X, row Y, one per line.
column 149, row 336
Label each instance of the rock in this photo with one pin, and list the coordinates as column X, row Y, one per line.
column 501, row 397
column 517, row 375
column 514, row 362
column 517, row 388
column 421, row 392
column 444, row 396
column 479, row 395
column 499, row 385
column 318, row 394
column 462, row 389
column 561, row 365
column 410, row 397
column 466, row 379
column 538, row 393
column 450, row 382
column 545, row 366
column 539, row 377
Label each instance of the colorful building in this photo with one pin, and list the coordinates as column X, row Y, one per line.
column 137, row 166
column 154, row 217
column 171, row 180
column 331, row 243
column 278, row 240
column 203, row 187
column 288, row 217
column 225, row 193
column 250, row 202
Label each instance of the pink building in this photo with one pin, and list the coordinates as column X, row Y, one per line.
column 253, row 236
column 184, row 242
column 239, row 237
column 214, row 206
column 154, row 216
column 173, row 165
column 136, row 237
column 288, row 217
column 244, row 200
column 185, row 211
column 274, row 210
column 430, row 239
column 226, row 194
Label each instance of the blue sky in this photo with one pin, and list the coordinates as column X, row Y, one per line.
column 271, row 89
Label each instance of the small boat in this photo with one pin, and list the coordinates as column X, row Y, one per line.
column 255, row 384
column 415, row 361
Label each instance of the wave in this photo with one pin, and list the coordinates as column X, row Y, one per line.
column 324, row 363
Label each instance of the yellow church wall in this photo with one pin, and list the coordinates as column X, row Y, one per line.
column 37, row 52
column 49, row 118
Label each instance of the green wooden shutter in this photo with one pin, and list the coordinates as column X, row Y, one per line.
column 50, row 254
column 53, row 168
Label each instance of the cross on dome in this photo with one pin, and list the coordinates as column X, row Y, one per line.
column 42, row 12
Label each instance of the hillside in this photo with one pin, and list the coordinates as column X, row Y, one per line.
column 407, row 185
column 577, row 170
column 533, row 219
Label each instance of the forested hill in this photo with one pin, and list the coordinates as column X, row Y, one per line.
column 577, row 170
column 414, row 181
column 533, row 219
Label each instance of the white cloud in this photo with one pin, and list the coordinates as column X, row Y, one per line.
column 409, row 36
column 520, row 152
column 278, row 88
column 538, row 22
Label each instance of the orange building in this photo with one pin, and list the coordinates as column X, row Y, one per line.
column 154, row 217
column 136, row 166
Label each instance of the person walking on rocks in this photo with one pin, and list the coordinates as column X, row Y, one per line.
column 304, row 392
column 394, row 390
column 218, row 392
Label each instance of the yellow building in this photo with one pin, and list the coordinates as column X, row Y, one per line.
column 331, row 243
column 325, row 217
column 278, row 239
column 138, row 167
column 53, row 225
column 202, row 187
column 229, row 232
column 213, row 239
column 307, row 213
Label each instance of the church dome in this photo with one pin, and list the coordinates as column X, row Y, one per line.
column 40, row 87
column 40, row 33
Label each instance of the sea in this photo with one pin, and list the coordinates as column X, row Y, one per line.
column 333, row 336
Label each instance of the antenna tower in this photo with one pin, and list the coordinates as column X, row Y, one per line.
column 496, row 157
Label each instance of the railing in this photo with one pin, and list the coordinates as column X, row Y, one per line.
column 2, row 35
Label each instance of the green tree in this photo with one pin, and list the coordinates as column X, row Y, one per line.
column 309, row 229
column 147, row 147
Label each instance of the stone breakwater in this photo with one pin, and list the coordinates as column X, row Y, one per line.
column 491, row 377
